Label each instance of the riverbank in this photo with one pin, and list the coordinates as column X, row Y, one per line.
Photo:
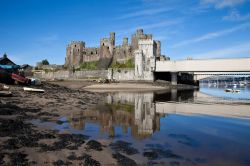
column 121, row 86
column 23, row 143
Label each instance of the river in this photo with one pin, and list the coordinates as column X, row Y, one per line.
column 175, row 127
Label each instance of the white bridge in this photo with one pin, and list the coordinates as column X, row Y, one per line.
column 205, row 68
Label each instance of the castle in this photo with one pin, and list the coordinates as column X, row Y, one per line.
column 77, row 53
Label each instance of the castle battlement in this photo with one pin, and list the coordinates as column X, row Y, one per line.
column 77, row 53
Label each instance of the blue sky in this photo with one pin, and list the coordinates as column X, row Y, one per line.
column 32, row 30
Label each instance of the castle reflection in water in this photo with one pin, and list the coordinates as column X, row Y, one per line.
column 139, row 111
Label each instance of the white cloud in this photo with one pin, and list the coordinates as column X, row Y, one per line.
column 241, row 50
column 146, row 12
column 236, row 16
column 219, row 4
column 213, row 35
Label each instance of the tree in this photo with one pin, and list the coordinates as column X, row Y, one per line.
column 45, row 62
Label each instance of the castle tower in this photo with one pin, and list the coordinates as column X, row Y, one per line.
column 74, row 55
column 158, row 49
column 112, row 39
column 139, row 32
column 125, row 41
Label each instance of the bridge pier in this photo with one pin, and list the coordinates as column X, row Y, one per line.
column 173, row 78
column 173, row 94
column 195, row 79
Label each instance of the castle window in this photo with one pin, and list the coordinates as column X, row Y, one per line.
column 75, row 45
column 108, row 47
column 96, row 52
column 78, row 50
column 91, row 53
column 103, row 44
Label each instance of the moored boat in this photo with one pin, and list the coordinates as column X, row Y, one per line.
column 228, row 90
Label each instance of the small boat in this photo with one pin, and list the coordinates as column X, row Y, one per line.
column 33, row 90
column 228, row 90
column 242, row 83
column 236, row 91
column 4, row 87
column 232, row 90
column 5, row 94
column 19, row 78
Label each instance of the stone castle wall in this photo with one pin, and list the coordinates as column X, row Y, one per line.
column 67, row 75
column 77, row 53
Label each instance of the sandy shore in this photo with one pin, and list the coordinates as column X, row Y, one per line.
column 122, row 87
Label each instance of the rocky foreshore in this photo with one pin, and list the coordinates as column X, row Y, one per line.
column 23, row 143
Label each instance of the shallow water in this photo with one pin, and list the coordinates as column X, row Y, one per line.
column 204, row 127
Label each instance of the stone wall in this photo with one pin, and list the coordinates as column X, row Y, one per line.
column 128, row 75
column 84, row 74
column 121, row 74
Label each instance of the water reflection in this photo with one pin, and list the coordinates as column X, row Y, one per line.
column 135, row 111
column 198, row 128
column 140, row 113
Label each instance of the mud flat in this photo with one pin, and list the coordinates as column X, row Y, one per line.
column 23, row 143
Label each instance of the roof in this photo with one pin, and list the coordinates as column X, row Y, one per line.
column 6, row 61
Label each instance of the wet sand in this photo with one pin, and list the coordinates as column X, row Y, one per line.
column 131, row 86
column 23, row 143
column 122, row 87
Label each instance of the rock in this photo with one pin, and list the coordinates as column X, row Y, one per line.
column 123, row 160
column 88, row 161
column 92, row 144
column 61, row 163
column 151, row 155
column 125, row 147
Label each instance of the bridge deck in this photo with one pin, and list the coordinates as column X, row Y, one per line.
column 206, row 65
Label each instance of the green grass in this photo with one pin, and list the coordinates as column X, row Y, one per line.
column 128, row 64
column 89, row 65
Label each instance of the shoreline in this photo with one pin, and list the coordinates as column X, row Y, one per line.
column 128, row 86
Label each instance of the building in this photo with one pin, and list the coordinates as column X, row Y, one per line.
column 6, row 61
column 77, row 52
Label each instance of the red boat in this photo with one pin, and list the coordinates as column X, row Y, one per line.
column 19, row 78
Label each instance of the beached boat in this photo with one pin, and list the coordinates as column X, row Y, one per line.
column 19, row 78
column 5, row 94
column 33, row 90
